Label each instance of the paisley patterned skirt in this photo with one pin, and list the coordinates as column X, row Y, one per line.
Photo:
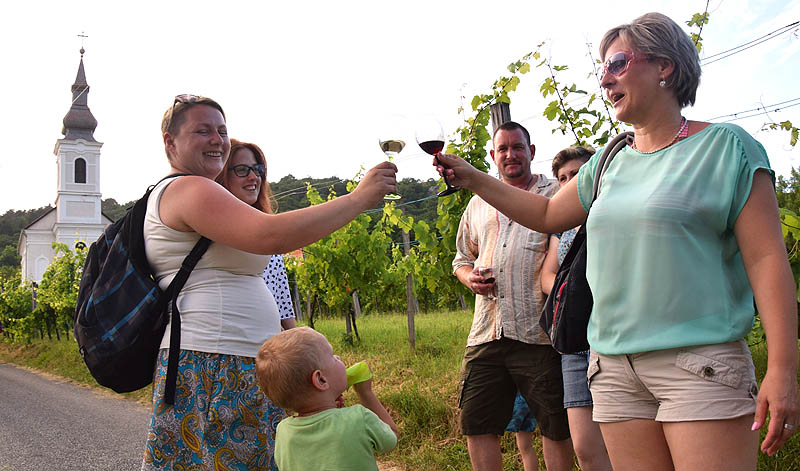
column 221, row 419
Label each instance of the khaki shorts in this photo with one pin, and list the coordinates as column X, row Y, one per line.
column 492, row 373
column 708, row 382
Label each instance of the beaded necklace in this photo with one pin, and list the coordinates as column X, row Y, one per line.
column 683, row 132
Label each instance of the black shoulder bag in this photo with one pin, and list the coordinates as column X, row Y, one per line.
column 569, row 305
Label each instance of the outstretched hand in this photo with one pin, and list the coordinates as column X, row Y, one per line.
column 379, row 181
column 457, row 170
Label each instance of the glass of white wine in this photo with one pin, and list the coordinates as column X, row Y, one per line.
column 391, row 141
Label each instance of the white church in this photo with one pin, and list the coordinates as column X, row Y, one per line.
column 77, row 216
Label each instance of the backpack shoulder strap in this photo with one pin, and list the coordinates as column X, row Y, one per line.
column 611, row 149
column 171, row 295
column 174, row 288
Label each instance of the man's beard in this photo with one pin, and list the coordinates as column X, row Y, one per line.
column 516, row 173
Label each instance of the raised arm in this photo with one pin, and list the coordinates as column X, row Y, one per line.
column 548, row 215
column 201, row 205
column 759, row 237
column 368, row 399
column 550, row 266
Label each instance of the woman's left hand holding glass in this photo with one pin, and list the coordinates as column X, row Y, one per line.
column 380, row 180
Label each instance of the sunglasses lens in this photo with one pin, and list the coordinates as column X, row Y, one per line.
column 186, row 98
column 617, row 63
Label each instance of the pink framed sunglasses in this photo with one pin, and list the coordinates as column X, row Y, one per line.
column 619, row 62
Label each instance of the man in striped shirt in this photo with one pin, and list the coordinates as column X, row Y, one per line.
column 501, row 262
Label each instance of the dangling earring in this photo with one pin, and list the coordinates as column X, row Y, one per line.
column 662, row 83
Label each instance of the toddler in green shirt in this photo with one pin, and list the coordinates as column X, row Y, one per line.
column 299, row 372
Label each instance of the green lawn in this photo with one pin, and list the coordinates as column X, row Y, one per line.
column 418, row 387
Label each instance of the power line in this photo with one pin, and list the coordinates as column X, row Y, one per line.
column 742, row 47
column 402, row 204
column 762, row 112
column 764, row 108
column 301, row 189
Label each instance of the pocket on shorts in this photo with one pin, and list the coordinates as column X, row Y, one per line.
column 711, row 369
column 594, row 368
column 462, row 382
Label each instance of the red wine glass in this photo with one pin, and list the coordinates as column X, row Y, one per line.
column 430, row 138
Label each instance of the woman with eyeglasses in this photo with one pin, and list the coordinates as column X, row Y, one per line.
column 245, row 176
column 221, row 419
column 681, row 240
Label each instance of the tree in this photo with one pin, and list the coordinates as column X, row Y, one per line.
column 788, row 191
column 9, row 256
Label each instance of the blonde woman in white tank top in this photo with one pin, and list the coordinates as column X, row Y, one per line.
column 220, row 417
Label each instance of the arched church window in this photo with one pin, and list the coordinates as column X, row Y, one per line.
column 80, row 171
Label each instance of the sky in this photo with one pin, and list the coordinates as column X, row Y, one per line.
column 310, row 81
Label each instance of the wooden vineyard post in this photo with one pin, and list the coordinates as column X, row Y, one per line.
column 412, row 308
column 298, row 308
column 356, row 304
column 500, row 113
column 462, row 302
column 308, row 304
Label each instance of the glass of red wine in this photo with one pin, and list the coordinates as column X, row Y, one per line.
column 430, row 138
column 487, row 273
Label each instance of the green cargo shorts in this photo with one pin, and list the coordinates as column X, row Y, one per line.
column 491, row 374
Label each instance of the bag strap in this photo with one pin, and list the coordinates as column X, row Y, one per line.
column 175, row 323
column 616, row 144
column 171, row 293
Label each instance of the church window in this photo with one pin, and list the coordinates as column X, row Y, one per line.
column 80, row 171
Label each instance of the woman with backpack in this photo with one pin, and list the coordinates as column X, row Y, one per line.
column 220, row 418
column 586, row 438
column 682, row 239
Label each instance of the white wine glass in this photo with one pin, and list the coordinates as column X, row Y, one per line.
column 391, row 139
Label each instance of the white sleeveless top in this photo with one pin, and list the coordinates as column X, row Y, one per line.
column 225, row 306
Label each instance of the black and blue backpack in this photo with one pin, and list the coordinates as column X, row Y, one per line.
column 121, row 313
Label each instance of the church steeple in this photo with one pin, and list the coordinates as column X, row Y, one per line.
column 79, row 122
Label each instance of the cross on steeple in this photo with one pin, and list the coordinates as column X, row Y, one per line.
column 82, row 36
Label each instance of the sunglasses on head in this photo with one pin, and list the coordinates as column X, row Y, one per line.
column 243, row 170
column 184, row 98
column 619, row 62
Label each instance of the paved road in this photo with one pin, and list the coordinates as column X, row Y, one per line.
column 47, row 424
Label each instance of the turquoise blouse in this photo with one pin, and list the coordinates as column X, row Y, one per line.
column 662, row 259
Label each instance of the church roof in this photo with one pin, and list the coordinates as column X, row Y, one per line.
column 79, row 122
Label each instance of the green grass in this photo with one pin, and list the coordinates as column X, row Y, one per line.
column 418, row 387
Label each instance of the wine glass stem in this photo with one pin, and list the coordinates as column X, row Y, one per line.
column 444, row 177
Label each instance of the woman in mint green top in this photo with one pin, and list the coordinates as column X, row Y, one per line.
column 683, row 237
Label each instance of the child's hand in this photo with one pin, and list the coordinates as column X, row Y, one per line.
column 340, row 402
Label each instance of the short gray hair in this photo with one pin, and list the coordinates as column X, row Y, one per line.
column 659, row 37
